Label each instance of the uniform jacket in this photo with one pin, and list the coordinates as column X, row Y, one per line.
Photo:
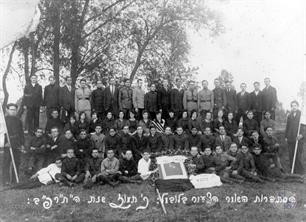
column 51, row 96
column 205, row 99
column 32, row 96
column 82, row 99
column 125, row 98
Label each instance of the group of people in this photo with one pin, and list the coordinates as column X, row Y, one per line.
column 112, row 134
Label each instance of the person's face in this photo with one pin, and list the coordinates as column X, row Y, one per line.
column 184, row 114
column 132, row 115
column 128, row 83
column 267, row 115
column 83, row 84
column 250, row 115
column 54, row 114
column 54, row 133
column 230, row 116
column 72, row 120
column 70, row 153
column 218, row 149
column 194, row 131
column 191, row 85
column 179, row 131
column 168, row 131
column 121, row 115
column 217, row 83
column 33, row 79
column 128, row 155
column 244, row 149
column 207, row 151
column 165, row 83
column 194, row 115
column 178, row 83
column 58, row 163
column 98, row 129
column 158, row 116
column 233, row 148
column 243, row 87
column 256, row 86
column 240, row 132
column 12, row 111
column 255, row 135
column 68, row 134
column 222, row 130
column 153, row 131
column 140, row 83
column 94, row 116
column 257, row 151
column 294, row 107
column 171, row 114
column 228, row 85
column 52, row 81
column 269, row 131
column 112, row 82
column 194, row 151
column 38, row 133
column 205, row 84
column 220, row 113
column 267, row 81
column 207, row 131
column 69, row 81
column 83, row 135
column 146, row 155
column 125, row 130
column 83, row 116
column 112, row 132
column 110, row 154
column 109, row 115
column 145, row 115
column 208, row 116
column 139, row 130
column 99, row 84
column 153, row 88
column 95, row 153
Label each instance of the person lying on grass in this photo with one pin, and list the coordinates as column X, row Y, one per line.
column 44, row 176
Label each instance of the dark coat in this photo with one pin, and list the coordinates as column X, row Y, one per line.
column 231, row 100
column 256, row 101
column 292, row 127
column 128, row 165
column 176, row 100
column 97, row 100
column 181, row 142
column 32, row 96
column 163, row 98
column 112, row 142
column 51, row 96
column 66, row 98
column 111, row 100
column 168, row 142
column 71, row 166
column 207, row 141
column 15, row 131
column 155, row 143
column 219, row 98
column 93, row 165
column 140, row 143
column 83, row 148
column 269, row 98
column 243, row 102
column 150, row 101
column 244, row 142
column 225, row 144
column 194, row 140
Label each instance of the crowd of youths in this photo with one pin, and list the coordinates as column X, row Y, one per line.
column 112, row 134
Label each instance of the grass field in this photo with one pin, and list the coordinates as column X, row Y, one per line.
column 33, row 205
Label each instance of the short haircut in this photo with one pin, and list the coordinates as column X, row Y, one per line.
column 54, row 127
column 256, row 83
column 294, row 102
column 12, row 104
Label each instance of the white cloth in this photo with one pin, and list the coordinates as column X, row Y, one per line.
column 205, row 180
column 143, row 168
column 47, row 174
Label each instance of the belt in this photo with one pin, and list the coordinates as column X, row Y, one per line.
column 84, row 99
column 190, row 100
column 205, row 100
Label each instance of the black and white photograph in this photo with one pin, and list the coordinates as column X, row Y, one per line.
column 153, row 110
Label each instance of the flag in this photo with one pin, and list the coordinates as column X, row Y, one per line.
column 17, row 19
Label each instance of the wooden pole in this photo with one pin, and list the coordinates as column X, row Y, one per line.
column 161, row 201
column 10, row 147
column 296, row 147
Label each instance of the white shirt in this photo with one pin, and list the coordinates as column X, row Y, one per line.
column 47, row 174
column 143, row 168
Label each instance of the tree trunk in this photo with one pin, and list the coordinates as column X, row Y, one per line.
column 56, row 43
column 26, row 62
column 75, row 58
column 33, row 54
column 4, row 77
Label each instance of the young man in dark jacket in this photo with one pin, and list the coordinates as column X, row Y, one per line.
column 128, row 169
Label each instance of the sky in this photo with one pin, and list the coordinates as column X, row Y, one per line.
column 262, row 38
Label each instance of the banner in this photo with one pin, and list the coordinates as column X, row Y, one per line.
column 172, row 167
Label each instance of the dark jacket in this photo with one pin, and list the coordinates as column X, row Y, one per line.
column 71, row 166
column 231, row 100
column 112, row 142
column 219, row 98
column 111, row 100
column 32, row 96
column 181, row 142
column 194, row 140
column 269, row 98
column 256, row 101
column 150, row 101
column 243, row 102
column 97, row 100
column 93, row 165
column 176, row 100
column 125, row 98
column 128, row 165
column 292, row 127
column 168, row 142
column 15, row 131
column 155, row 143
column 207, row 141
column 66, row 98
column 244, row 142
column 250, row 125
column 163, row 98
column 51, row 96
column 140, row 143
column 83, row 148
